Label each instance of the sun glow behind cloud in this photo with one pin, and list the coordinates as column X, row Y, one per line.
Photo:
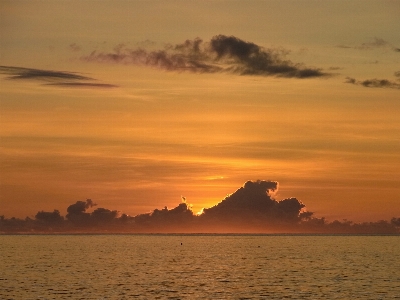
column 138, row 136
column 176, row 141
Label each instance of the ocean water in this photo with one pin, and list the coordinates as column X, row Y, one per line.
column 199, row 267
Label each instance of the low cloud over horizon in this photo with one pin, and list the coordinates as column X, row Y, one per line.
column 250, row 209
column 221, row 54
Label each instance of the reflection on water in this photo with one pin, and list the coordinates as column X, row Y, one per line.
column 199, row 267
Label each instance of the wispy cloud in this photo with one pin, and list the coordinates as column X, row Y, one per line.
column 83, row 85
column 374, row 83
column 221, row 54
column 375, row 43
column 26, row 73
column 52, row 78
column 75, row 47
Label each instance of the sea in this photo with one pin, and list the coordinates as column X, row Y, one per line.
column 199, row 267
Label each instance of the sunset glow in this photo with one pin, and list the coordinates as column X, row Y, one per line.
column 135, row 103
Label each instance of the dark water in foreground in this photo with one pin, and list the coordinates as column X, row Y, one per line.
column 202, row 267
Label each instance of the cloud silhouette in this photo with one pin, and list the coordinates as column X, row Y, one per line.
column 103, row 215
column 374, row 83
column 52, row 78
column 76, row 213
column 250, row 209
column 254, row 201
column 80, row 206
column 221, row 54
column 178, row 219
column 49, row 217
column 26, row 73
column 251, row 59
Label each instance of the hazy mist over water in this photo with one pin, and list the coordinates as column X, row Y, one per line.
column 199, row 267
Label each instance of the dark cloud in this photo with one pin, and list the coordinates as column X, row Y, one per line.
column 76, row 212
column 253, row 201
column 250, row 209
column 25, row 73
column 103, row 215
column 178, row 219
column 251, row 59
column 52, row 78
column 351, row 80
column 80, row 206
column 220, row 54
column 171, row 59
column 374, row 83
column 380, row 83
column 395, row 221
column 49, row 217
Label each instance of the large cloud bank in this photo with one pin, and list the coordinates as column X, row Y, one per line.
column 251, row 209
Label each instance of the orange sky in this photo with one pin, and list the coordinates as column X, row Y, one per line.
column 147, row 135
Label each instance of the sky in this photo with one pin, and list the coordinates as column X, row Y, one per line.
column 136, row 104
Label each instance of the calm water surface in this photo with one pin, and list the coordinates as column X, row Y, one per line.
column 199, row 267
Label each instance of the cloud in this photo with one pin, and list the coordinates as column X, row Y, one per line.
column 165, row 220
column 49, row 217
column 76, row 212
column 221, row 54
column 374, row 83
column 253, row 201
column 80, row 207
column 250, row 209
column 395, row 221
column 376, row 43
column 52, row 78
column 103, row 215
column 83, row 84
column 74, row 47
column 26, row 73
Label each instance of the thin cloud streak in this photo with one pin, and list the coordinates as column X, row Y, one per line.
column 374, row 83
column 52, row 78
column 376, row 43
column 27, row 73
column 221, row 54
column 82, row 85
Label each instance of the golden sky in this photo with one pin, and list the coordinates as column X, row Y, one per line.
column 85, row 114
